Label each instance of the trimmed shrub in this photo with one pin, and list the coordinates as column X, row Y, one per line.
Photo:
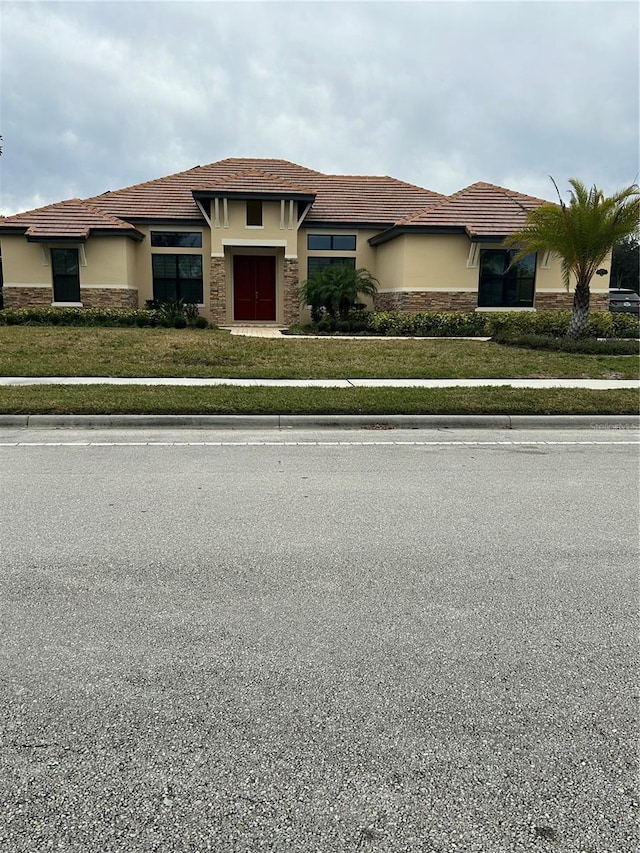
column 75, row 317
column 602, row 324
column 165, row 315
column 588, row 346
column 428, row 324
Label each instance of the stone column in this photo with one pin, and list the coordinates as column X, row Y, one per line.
column 218, row 292
column 291, row 281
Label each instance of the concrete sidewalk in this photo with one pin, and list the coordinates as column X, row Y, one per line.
column 594, row 384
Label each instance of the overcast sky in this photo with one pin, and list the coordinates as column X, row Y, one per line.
column 101, row 95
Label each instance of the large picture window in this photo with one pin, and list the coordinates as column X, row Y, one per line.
column 177, row 277
column 503, row 283
column 315, row 264
column 66, row 275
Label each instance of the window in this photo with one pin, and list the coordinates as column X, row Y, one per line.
column 66, row 275
column 177, row 239
column 332, row 242
column 503, row 283
column 254, row 213
column 177, row 277
column 315, row 264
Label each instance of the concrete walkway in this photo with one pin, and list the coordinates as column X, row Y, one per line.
column 594, row 384
column 276, row 332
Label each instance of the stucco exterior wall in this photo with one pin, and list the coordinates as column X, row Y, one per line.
column 430, row 272
column 238, row 233
column 105, row 270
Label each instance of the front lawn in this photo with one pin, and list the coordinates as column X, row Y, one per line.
column 82, row 351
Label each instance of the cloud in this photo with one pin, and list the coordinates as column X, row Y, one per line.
column 101, row 95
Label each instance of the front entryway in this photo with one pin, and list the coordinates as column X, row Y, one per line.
column 254, row 287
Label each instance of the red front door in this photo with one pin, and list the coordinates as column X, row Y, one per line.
column 254, row 287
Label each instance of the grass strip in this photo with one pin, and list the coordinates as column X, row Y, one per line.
column 72, row 351
column 139, row 399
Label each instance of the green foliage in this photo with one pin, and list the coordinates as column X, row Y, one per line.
column 601, row 324
column 76, row 317
column 167, row 315
column 335, row 290
column 625, row 264
column 587, row 346
column 428, row 324
column 581, row 234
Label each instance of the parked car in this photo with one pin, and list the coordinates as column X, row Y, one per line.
column 625, row 301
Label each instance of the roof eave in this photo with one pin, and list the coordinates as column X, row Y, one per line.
column 399, row 230
column 338, row 223
column 265, row 195
column 58, row 238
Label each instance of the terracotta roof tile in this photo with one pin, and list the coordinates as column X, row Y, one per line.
column 73, row 218
column 339, row 198
column 258, row 181
column 481, row 209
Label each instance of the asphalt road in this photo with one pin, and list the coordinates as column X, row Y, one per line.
column 280, row 642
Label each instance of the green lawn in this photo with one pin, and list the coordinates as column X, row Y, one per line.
column 139, row 399
column 68, row 351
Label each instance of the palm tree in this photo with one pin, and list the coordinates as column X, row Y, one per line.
column 336, row 288
column 581, row 234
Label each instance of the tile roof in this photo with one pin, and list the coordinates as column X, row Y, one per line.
column 339, row 198
column 483, row 210
column 256, row 181
column 71, row 219
column 367, row 198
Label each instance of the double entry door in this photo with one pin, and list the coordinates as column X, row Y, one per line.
column 254, row 287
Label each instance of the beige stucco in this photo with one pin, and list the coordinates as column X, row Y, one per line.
column 409, row 264
column 275, row 231
column 438, row 262
column 104, row 261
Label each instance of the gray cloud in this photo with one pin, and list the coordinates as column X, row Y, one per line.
column 97, row 96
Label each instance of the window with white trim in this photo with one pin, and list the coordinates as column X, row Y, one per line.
column 65, row 266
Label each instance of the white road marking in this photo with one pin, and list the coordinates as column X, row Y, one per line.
column 313, row 443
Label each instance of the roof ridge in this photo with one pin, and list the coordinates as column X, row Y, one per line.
column 142, row 184
column 109, row 217
column 200, row 168
column 439, row 205
column 260, row 172
column 262, row 160
column 40, row 209
column 508, row 192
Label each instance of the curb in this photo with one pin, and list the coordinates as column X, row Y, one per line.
column 234, row 422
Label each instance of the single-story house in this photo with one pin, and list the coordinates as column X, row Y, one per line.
column 238, row 236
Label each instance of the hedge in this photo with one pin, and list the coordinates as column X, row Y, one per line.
column 97, row 317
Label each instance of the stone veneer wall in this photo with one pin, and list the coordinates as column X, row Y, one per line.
column 109, row 297
column 218, row 292
column 290, row 291
column 564, row 301
column 27, row 297
column 91, row 297
column 409, row 302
